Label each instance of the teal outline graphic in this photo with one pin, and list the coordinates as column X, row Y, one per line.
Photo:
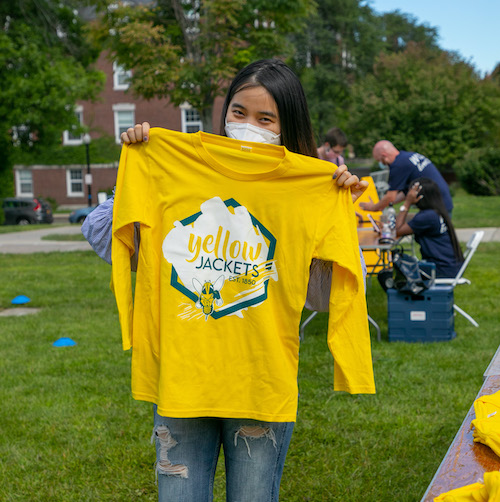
column 174, row 279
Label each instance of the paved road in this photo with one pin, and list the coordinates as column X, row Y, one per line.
column 31, row 241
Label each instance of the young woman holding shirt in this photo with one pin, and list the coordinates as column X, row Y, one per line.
column 265, row 103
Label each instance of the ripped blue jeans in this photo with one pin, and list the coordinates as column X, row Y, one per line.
column 187, row 450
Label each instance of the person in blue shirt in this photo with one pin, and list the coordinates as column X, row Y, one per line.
column 404, row 168
column 431, row 226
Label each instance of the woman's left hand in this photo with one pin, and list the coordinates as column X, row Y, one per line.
column 348, row 180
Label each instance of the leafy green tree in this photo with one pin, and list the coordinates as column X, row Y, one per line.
column 425, row 100
column 340, row 45
column 189, row 50
column 479, row 171
column 398, row 29
column 495, row 74
column 43, row 70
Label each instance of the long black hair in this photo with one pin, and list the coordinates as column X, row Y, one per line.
column 432, row 199
column 285, row 87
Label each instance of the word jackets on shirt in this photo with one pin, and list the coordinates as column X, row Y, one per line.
column 228, row 231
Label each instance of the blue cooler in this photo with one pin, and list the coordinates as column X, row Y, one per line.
column 427, row 317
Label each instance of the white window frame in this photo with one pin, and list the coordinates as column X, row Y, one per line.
column 67, row 139
column 19, row 182
column 119, row 71
column 69, row 190
column 187, row 121
column 117, row 110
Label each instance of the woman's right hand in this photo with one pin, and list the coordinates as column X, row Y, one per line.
column 413, row 195
column 136, row 134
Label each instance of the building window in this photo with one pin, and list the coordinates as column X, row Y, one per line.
column 70, row 137
column 121, row 77
column 190, row 119
column 74, row 182
column 24, row 183
column 124, row 118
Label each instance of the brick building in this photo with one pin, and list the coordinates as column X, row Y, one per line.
column 113, row 112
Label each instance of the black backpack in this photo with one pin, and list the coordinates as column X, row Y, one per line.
column 408, row 275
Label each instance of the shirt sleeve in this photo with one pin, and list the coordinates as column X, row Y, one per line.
column 97, row 229
column 424, row 222
column 348, row 332
column 130, row 206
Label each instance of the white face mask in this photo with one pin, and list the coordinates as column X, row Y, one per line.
column 248, row 132
column 382, row 165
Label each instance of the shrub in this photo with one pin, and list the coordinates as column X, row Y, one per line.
column 53, row 203
column 479, row 171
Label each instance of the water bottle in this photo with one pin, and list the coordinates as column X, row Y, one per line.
column 388, row 220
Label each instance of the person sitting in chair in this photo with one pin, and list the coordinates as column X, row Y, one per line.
column 431, row 226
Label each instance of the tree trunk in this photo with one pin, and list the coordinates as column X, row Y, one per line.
column 206, row 118
column 6, row 166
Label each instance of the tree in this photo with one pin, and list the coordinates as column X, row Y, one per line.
column 399, row 29
column 189, row 50
column 340, row 46
column 425, row 100
column 43, row 70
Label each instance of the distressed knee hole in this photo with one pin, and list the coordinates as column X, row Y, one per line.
column 163, row 464
column 247, row 432
column 253, row 432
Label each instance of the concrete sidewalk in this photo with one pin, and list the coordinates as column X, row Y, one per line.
column 30, row 241
column 491, row 234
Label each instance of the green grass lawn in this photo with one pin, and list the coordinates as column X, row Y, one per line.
column 5, row 229
column 471, row 211
column 70, row 430
column 64, row 237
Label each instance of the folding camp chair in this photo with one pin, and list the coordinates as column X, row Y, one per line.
column 381, row 178
column 458, row 279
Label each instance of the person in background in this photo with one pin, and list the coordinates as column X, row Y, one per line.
column 431, row 226
column 333, row 146
column 404, row 168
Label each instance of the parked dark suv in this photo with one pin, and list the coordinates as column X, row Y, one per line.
column 26, row 211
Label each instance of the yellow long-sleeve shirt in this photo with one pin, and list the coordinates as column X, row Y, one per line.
column 475, row 492
column 487, row 422
column 228, row 230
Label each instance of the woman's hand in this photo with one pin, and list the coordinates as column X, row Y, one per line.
column 136, row 134
column 348, row 180
column 412, row 197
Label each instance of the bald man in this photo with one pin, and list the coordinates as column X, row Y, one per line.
column 404, row 167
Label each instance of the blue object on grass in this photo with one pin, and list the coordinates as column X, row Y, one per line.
column 64, row 342
column 20, row 300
